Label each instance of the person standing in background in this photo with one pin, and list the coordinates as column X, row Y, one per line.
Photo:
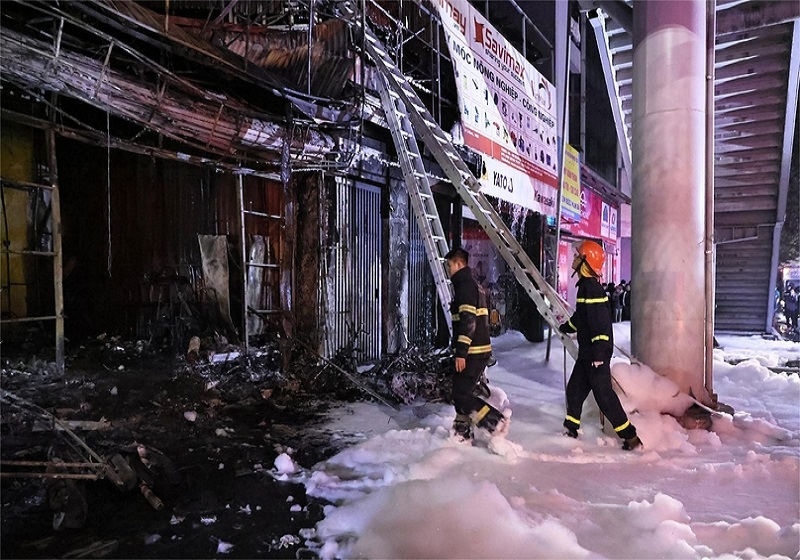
column 790, row 303
column 625, row 299
column 616, row 303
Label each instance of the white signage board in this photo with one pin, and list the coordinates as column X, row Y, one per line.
column 507, row 110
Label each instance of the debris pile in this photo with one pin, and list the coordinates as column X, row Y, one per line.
column 416, row 375
column 395, row 378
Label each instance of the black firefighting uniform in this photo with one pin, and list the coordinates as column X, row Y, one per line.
column 471, row 340
column 592, row 322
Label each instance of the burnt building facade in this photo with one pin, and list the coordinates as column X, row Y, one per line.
column 182, row 169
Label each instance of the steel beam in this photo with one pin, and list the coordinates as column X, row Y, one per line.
column 788, row 143
column 756, row 14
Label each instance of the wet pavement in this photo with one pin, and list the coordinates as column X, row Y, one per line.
column 215, row 475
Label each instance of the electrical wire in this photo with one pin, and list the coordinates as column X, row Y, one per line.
column 108, row 188
column 6, row 246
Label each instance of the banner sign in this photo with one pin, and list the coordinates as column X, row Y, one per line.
column 613, row 230
column 605, row 221
column 571, row 191
column 507, row 110
column 598, row 218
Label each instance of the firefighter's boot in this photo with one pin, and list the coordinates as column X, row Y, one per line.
column 462, row 429
column 492, row 420
column 631, row 443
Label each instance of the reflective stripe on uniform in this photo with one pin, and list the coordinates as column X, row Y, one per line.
column 574, row 420
column 573, row 327
column 479, row 349
column 466, row 308
column 482, row 311
column 625, row 425
column 592, row 300
column 600, row 337
column 478, row 416
column 455, row 317
column 465, row 339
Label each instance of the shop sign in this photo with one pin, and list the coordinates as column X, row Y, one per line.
column 507, row 110
column 598, row 218
column 571, row 191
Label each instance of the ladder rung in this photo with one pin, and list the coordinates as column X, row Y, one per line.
column 262, row 214
column 406, row 87
column 262, row 265
column 395, row 73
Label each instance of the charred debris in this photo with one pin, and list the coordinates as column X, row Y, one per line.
column 134, row 112
column 132, row 417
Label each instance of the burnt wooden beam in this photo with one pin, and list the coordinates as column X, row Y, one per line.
column 224, row 12
column 139, row 22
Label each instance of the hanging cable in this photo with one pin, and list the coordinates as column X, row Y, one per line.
column 108, row 187
column 7, row 249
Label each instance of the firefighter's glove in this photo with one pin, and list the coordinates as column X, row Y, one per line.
column 567, row 328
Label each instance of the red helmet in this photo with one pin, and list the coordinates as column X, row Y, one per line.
column 593, row 254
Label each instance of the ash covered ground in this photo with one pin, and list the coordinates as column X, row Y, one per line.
column 198, row 434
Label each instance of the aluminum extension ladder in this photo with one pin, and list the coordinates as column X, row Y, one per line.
column 419, row 190
column 409, row 110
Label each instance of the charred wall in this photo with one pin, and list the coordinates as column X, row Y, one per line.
column 130, row 227
column 397, row 220
column 142, row 276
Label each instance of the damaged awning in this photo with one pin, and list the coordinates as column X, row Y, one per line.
column 197, row 94
column 131, row 18
column 222, row 124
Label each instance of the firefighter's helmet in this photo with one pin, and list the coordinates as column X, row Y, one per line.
column 592, row 254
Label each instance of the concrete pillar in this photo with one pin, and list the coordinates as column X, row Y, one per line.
column 668, row 297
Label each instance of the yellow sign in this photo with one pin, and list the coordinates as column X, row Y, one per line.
column 571, row 190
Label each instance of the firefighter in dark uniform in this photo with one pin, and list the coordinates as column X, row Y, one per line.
column 592, row 372
column 473, row 349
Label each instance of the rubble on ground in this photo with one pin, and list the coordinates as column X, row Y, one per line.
column 157, row 437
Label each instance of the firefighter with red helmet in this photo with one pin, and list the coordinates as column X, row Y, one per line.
column 595, row 335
